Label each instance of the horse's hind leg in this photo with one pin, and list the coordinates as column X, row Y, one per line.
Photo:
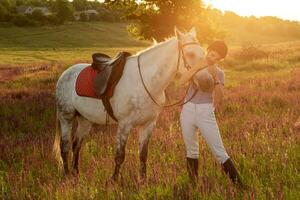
column 122, row 135
column 66, row 122
column 144, row 137
column 83, row 128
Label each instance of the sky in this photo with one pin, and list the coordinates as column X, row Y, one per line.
column 285, row 9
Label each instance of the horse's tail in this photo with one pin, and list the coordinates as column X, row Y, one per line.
column 56, row 145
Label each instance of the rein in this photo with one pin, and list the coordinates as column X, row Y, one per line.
column 180, row 51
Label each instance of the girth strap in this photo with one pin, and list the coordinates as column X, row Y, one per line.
column 115, row 76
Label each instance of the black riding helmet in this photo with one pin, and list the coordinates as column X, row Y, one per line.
column 220, row 47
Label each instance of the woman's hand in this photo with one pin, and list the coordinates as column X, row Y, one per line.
column 202, row 64
column 212, row 69
column 188, row 75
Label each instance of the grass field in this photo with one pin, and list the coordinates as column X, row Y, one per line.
column 21, row 47
column 256, row 120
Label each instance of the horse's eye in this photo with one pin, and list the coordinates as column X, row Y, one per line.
column 191, row 55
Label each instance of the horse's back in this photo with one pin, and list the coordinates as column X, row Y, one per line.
column 129, row 96
column 65, row 87
column 69, row 101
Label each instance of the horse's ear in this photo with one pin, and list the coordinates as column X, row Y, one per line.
column 193, row 32
column 178, row 34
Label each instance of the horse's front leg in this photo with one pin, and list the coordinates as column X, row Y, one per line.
column 122, row 135
column 144, row 137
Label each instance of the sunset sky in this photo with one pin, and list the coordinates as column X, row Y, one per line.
column 287, row 9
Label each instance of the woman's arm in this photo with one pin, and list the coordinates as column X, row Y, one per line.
column 218, row 95
column 188, row 75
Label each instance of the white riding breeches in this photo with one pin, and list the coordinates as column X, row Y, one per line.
column 202, row 117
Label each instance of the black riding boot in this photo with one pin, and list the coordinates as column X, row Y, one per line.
column 192, row 168
column 229, row 168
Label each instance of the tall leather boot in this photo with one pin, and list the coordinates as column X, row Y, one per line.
column 229, row 168
column 192, row 168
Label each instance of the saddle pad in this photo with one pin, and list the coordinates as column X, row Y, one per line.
column 85, row 82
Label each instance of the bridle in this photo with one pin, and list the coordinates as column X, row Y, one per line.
column 187, row 66
column 180, row 48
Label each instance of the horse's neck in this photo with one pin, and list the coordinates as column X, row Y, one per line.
column 158, row 66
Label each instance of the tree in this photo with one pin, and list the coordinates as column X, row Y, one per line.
column 35, row 2
column 64, row 10
column 157, row 18
column 7, row 7
column 3, row 13
column 80, row 5
column 38, row 17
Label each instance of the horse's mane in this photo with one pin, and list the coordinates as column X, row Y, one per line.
column 155, row 45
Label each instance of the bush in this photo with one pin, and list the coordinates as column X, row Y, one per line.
column 83, row 17
column 23, row 20
column 64, row 11
column 135, row 31
column 38, row 17
column 109, row 15
column 93, row 17
column 4, row 14
column 251, row 52
column 52, row 19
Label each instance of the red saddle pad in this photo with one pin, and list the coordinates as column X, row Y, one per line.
column 85, row 82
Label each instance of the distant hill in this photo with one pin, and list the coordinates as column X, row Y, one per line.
column 66, row 44
column 76, row 35
column 237, row 31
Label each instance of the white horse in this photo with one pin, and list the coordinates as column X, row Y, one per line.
column 131, row 103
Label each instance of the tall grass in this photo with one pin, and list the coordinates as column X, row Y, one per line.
column 256, row 123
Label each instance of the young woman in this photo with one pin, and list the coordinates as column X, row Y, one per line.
column 207, row 88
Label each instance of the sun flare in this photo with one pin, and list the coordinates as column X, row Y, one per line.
column 288, row 9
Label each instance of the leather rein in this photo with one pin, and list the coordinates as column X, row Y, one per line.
column 180, row 52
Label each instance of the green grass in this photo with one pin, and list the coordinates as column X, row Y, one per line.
column 77, row 35
column 256, row 122
column 67, row 43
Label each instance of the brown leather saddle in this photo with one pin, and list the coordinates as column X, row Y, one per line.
column 110, row 71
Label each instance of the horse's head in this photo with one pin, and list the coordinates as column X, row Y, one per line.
column 191, row 51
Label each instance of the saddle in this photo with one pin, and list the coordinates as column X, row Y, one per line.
column 99, row 79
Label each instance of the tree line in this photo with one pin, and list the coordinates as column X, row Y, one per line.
column 149, row 19
column 61, row 11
